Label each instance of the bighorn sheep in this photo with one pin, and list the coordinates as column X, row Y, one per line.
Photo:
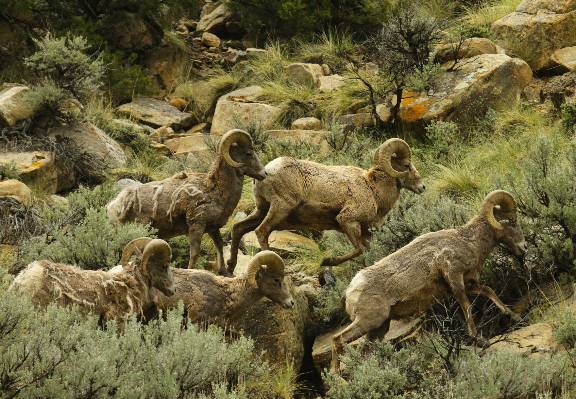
column 220, row 299
column 193, row 203
column 434, row 265
column 112, row 296
column 301, row 194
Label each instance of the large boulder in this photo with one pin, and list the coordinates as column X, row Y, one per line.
column 303, row 73
column 533, row 339
column 13, row 105
column 156, row 113
column 194, row 143
column 284, row 241
column 241, row 108
column 17, row 190
column 483, row 82
column 329, row 83
column 565, row 57
column 94, row 142
column 465, row 49
column 35, row 168
column 214, row 18
column 538, row 28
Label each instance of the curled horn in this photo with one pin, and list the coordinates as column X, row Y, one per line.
column 498, row 198
column 137, row 244
column 271, row 259
column 160, row 250
column 384, row 154
column 231, row 137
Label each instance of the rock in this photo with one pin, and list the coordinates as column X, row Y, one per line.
column 558, row 89
column 329, row 83
column 123, row 183
column 534, row 339
column 315, row 137
column 565, row 57
column 93, row 141
column 214, row 18
column 161, row 149
column 384, row 113
column 303, row 73
column 35, row 168
column 233, row 56
column 468, row 48
column 210, row 40
column 161, row 134
column 241, row 108
column 541, row 26
column 131, row 31
column 277, row 331
column 359, row 121
column 255, row 51
column 13, row 105
column 16, row 189
column 486, row 81
column 400, row 330
column 326, row 69
column 58, row 201
column 128, row 124
column 156, row 113
column 167, row 64
column 308, row 123
column 194, row 143
column 197, row 128
column 283, row 240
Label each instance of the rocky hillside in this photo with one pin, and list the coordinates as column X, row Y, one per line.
column 98, row 97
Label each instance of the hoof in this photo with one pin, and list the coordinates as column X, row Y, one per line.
column 327, row 278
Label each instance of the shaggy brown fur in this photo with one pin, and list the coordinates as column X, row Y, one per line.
column 431, row 267
column 193, row 203
column 219, row 299
column 301, row 194
column 113, row 296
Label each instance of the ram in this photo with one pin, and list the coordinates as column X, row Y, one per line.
column 193, row 203
column 112, row 296
column 220, row 299
column 299, row 194
column 433, row 266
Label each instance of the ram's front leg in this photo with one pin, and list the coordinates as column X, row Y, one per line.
column 489, row 293
column 195, row 233
column 219, row 244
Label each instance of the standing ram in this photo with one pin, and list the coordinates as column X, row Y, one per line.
column 193, row 203
column 220, row 299
column 301, row 194
column 428, row 269
column 110, row 295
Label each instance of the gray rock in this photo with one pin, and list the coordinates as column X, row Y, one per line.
column 13, row 105
column 156, row 113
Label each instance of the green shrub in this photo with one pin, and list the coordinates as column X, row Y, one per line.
column 507, row 375
column 65, row 62
column 332, row 48
column 569, row 116
column 565, row 333
column 59, row 354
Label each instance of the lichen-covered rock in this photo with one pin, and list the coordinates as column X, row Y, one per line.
column 194, row 143
column 541, row 26
column 35, row 168
column 93, row 141
column 17, row 190
column 13, row 105
column 326, row 84
column 156, row 113
column 303, row 73
column 285, row 241
column 467, row 49
column 533, row 339
column 307, row 123
column 486, row 81
column 241, row 108
column 565, row 57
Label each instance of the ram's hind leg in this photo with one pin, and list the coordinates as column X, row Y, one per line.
column 278, row 212
column 353, row 231
column 239, row 229
column 195, row 233
column 219, row 244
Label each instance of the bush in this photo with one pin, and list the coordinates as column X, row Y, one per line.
column 65, row 62
column 565, row 333
column 59, row 353
column 569, row 116
column 508, row 375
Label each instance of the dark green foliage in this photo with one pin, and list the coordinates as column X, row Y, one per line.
column 61, row 354
column 565, row 333
column 569, row 116
column 286, row 18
